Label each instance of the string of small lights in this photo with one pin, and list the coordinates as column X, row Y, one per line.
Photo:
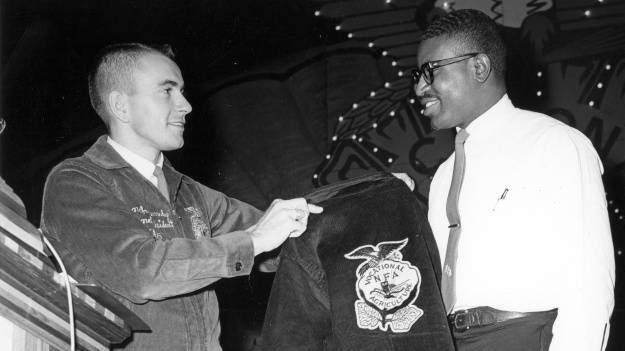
column 592, row 99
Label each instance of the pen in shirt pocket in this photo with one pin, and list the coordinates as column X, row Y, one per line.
column 502, row 197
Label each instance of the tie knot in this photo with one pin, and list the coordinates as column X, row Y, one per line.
column 461, row 136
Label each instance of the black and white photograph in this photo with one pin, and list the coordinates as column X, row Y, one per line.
column 331, row 175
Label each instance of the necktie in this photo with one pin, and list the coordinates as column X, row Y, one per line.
column 161, row 183
column 448, row 282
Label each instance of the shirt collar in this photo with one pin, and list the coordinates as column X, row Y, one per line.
column 491, row 120
column 142, row 165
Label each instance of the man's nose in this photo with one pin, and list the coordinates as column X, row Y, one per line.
column 183, row 104
column 420, row 86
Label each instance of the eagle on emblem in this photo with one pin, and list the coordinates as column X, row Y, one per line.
column 375, row 254
column 386, row 286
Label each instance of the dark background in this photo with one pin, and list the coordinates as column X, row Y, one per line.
column 46, row 46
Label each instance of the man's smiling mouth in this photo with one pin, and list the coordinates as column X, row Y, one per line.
column 427, row 104
column 430, row 103
column 177, row 124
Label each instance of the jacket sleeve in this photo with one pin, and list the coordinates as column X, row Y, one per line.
column 101, row 241
column 227, row 213
column 298, row 312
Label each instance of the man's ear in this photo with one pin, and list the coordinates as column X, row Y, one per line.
column 118, row 106
column 482, row 67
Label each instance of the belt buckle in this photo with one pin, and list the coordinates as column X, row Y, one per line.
column 461, row 320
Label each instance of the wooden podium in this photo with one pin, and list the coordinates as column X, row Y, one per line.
column 33, row 298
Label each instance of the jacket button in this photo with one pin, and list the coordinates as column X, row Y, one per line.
column 238, row 266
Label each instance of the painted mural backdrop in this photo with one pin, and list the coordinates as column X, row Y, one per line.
column 347, row 109
column 572, row 53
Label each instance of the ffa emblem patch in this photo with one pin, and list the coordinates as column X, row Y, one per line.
column 386, row 287
column 200, row 229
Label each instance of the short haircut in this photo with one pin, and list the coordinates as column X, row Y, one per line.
column 475, row 31
column 113, row 69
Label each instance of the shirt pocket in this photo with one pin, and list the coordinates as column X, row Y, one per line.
column 504, row 208
column 501, row 200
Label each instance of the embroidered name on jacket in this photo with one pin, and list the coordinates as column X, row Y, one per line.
column 387, row 286
column 157, row 222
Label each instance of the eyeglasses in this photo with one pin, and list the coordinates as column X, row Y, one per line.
column 427, row 69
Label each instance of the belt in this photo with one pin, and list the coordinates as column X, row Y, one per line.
column 464, row 320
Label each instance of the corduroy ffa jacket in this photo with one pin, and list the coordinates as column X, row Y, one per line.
column 113, row 227
column 364, row 276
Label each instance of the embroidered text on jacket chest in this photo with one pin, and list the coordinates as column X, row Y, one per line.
column 157, row 221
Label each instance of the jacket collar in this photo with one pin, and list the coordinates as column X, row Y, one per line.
column 102, row 154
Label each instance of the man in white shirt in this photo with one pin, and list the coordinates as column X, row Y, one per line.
column 522, row 229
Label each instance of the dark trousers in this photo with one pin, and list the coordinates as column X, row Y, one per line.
column 531, row 333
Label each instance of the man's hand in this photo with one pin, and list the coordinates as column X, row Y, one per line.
column 283, row 219
column 269, row 265
column 406, row 179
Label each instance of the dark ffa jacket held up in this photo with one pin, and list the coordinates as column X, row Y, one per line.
column 364, row 276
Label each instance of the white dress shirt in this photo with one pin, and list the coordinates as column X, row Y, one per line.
column 142, row 165
column 535, row 230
